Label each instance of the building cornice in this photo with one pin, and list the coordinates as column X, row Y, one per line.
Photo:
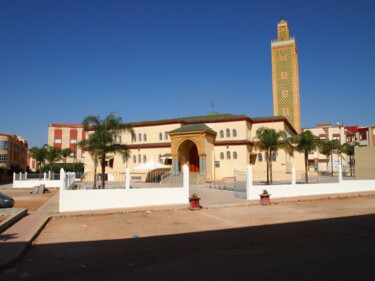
column 229, row 143
column 151, row 145
column 66, row 125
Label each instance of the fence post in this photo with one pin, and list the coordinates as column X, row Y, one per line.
column 14, row 176
column 249, row 181
column 339, row 172
column 62, row 189
column 293, row 170
column 127, row 178
column 185, row 170
column 25, row 175
column 45, row 176
column 62, row 179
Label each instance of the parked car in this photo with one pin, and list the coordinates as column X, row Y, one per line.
column 6, row 201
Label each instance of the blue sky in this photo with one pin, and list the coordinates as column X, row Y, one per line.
column 147, row 60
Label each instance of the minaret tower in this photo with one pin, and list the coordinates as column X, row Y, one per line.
column 285, row 78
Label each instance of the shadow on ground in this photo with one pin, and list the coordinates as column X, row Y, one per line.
column 328, row 249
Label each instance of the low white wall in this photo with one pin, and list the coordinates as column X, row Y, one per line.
column 96, row 199
column 288, row 190
column 84, row 200
column 295, row 190
column 32, row 183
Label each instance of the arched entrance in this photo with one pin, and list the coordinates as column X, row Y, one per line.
column 194, row 159
column 193, row 145
column 188, row 154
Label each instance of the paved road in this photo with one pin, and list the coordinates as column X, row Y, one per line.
column 314, row 240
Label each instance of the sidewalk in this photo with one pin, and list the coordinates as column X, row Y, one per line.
column 16, row 239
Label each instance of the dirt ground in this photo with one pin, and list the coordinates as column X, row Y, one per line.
column 23, row 198
column 313, row 240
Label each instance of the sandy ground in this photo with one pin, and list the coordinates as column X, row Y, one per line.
column 23, row 198
column 313, row 240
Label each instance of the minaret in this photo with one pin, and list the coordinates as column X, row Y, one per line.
column 285, row 78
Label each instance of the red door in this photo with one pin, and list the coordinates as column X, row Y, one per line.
column 194, row 159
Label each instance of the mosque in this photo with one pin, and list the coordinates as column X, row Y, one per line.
column 213, row 145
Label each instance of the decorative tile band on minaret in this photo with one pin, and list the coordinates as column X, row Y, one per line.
column 285, row 78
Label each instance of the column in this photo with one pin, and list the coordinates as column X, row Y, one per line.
column 175, row 165
column 202, row 165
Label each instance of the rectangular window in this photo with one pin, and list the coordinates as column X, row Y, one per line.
column 3, row 145
column 57, row 140
column 73, row 140
column 363, row 136
column 3, row 158
column 217, row 164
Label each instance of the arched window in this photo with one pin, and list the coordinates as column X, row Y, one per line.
column 135, row 137
column 134, row 159
column 165, row 135
column 234, row 155
column 144, row 159
column 221, row 155
column 260, row 157
column 221, row 133
column 159, row 158
column 144, row 137
column 160, row 136
column 273, row 157
column 139, row 158
column 228, row 133
column 228, row 154
column 139, row 137
column 234, row 133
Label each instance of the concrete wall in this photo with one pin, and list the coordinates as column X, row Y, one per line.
column 32, row 183
column 364, row 162
column 282, row 191
column 293, row 190
column 84, row 200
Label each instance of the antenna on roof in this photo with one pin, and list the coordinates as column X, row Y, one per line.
column 213, row 106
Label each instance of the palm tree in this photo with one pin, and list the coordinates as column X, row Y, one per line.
column 39, row 154
column 305, row 143
column 53, row 154
column 105, row 133
column 91, row 144
column 65, row 154
column 348, row 148
column 328, row 148
column 270, row 141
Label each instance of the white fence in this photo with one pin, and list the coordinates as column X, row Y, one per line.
column 25, row 180
column 127, row 197
column 293, row 189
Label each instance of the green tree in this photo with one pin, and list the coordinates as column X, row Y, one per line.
column 348, row 148
column 305, row 143
column 39, row 154
column 270, row 141
column 92, row 145
column 328, row 148
column 65, row 154
column 52, row 155
column 105, row 133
